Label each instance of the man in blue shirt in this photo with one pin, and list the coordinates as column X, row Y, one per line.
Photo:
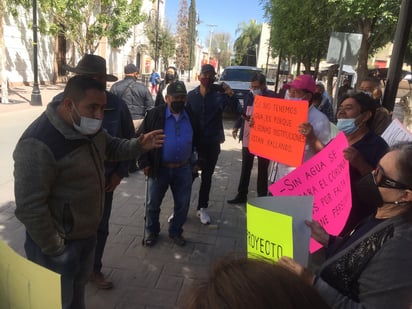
column 207, row 102
column 170, row 165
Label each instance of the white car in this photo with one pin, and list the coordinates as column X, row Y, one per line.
column 238, row 78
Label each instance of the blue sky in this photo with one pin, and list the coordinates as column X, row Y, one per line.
column 225, row 14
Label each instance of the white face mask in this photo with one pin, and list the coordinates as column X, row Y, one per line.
column 88, row 126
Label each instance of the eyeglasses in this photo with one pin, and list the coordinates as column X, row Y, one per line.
column 381, row 180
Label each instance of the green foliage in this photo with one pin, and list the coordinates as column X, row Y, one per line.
column 182, row 37
column 192, row 32
column 245, row 44
column 301, row 28
column 165, row 40
column 221, row 48
column 86, row 22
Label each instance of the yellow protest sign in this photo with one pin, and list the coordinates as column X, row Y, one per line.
column 24, row 284
column 269, row 233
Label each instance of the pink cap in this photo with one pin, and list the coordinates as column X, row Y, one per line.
column 303, row 82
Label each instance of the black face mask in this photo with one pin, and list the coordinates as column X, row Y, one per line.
column 170, row 77
column 368, row 191
column 177, row 106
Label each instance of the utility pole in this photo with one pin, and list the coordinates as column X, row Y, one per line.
column 35, row 95
column 210, row 40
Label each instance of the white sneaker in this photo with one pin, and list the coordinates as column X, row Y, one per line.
column 170, row 217
column 204, row 217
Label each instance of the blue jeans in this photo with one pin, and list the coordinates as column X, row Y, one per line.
column 180, row 182
column 103, row 232
column 209, row 153
column 74, row 266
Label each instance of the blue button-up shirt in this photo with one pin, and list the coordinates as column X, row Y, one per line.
column 177, row 146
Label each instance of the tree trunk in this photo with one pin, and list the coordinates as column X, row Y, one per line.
column 362, row 70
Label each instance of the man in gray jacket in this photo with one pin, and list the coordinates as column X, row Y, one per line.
column 137, row 97
column 60, row 184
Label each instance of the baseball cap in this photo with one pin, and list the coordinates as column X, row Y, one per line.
column 176, row 88
column 91, row 65
column 207, row 68
column 303, row 82
column 130, row 68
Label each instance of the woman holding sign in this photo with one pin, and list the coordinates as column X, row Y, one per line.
column 371, row 268
column 355, row 115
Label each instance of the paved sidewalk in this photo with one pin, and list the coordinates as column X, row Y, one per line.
column 154, row 277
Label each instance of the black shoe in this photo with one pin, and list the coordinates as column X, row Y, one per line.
column 150, row 240
column 238, row 200
column 178, row 240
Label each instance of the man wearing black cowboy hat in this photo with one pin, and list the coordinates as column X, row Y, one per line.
column 60, row 182
column 118, row 122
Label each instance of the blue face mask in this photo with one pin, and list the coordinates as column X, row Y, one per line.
column 347, row 126
column 257, row 92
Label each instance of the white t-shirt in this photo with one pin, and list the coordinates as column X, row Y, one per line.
column 321, row 128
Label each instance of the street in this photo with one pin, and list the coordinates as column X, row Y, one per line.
column 143, row 277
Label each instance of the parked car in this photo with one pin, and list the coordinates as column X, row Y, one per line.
column 238, row 78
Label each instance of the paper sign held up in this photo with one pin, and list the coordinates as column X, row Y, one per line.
column 276, row 228
column 275, row 134
column 24, row 284
column 326, row 177
column 396, row 132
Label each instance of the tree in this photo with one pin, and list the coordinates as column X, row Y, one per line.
column 221, row 48
column 86, row 22
column 165, row 40
column 192, row 32
column 374, row 19
column 302, row 37
column 245, row 45
column 182, row 37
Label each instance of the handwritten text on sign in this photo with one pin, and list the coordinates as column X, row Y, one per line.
column 275, row 134
column 326, row 177
column 269, row 234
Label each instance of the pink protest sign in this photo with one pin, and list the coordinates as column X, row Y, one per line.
column 326, row 177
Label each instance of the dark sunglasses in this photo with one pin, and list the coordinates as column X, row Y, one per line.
column 381, row 180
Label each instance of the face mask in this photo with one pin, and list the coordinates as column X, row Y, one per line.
column 177, row 106
column 170, row 76
column 368, row 192
column 88, row 126
column 206, row 82
column 348, row 126
column 366, row 92
column 296, row 99
column 257, row 92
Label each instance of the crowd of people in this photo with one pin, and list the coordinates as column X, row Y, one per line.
column 89, row 138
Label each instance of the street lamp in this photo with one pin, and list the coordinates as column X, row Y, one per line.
column 210, row 40
column 157, row 35
column 35, row 95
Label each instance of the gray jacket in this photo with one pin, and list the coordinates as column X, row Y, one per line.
column 135, row 94
column 59, row 179
column 380, row 266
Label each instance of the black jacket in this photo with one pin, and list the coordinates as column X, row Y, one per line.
column 155, row 119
